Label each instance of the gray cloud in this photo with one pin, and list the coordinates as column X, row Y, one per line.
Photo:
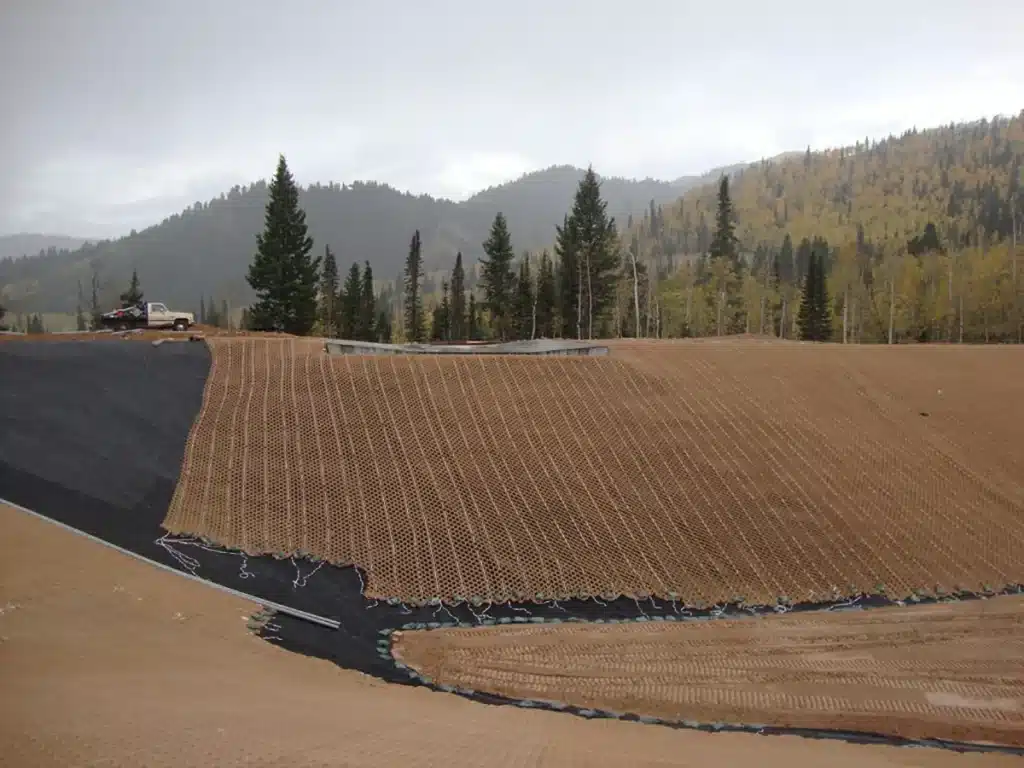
column 120, row 112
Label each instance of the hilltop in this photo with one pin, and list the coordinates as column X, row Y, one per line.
column 868, row 206
column 206, row 249
column 32, row 244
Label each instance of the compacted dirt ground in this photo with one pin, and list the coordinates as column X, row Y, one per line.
column 948, row 671
column 108, row 661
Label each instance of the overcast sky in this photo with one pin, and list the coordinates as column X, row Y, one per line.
column 118, row 113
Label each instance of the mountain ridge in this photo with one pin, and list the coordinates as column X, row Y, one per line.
column 205, row 249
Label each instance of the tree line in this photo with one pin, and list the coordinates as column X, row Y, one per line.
column 571, row 293
column 565, row 294
column 917, row 235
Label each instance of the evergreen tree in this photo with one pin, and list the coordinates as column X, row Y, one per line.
column 596, row 245
column 413, row 304
column 546, row 298
column 244, row 322
column 80, row 324
column 782, row 269
column 202, row 310
column 724, row 243
column 133, row 295
column 472, row 319
column 523, row 305
column 457, row 312
column 351, row 303
column 95, row 311
column 439, row 320
column 497, row 278
column 329, row 294
column 3, row 311
column 802, row 260
column 383, row 327
column 814, row 316
column 446, row 312
column 569, row 316
column 225, row 315
column 725, row 268
column 283, row 272
column 365, row 330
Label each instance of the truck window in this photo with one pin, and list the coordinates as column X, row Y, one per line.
column 159, row 308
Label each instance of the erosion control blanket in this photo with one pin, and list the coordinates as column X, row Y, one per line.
column 703, row 472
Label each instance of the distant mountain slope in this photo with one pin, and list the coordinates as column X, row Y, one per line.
column 965, row 178
column 207, row 248
column 30, row 244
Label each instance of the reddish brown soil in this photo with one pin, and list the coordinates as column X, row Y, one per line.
column 948, row 671
column 712, row 470
column 108, row 661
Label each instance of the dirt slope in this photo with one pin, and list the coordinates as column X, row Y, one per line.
column 709, row 470
column 107, row 661
column 949, row 671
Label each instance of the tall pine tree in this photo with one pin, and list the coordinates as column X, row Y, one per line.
column 570, row 318
column 814, row 316
column 497, row 279
column 413, row 300
column 365, row 330
column 95, row 311
column 440, row 329
column 133, row 295
column 725, row 268
column 283, row 272
column 724, row 243
column 596, row 244
column 351, row 303
column 382, row 328
column 547, row 297
column 80, row 324
column 472, row 319
column 524, row 321
column 329, row 294
column 457, row 310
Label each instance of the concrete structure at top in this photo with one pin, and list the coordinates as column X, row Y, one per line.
column 534, row 347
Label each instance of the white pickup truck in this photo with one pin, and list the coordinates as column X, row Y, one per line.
column 148, row 314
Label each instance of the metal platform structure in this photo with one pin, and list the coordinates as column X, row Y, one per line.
column 545, row 347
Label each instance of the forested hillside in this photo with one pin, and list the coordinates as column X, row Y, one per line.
column 866, row 209
column 205, row 250
column 25, row 244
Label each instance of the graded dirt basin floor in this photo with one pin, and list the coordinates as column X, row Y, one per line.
column 947, row 671
column 703, row 471
column 108, row 661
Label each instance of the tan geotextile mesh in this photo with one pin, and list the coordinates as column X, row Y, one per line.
column 711, row 471
column 946, row 671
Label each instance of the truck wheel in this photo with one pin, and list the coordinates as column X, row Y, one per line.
column 121, row 327
column 181, row 325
